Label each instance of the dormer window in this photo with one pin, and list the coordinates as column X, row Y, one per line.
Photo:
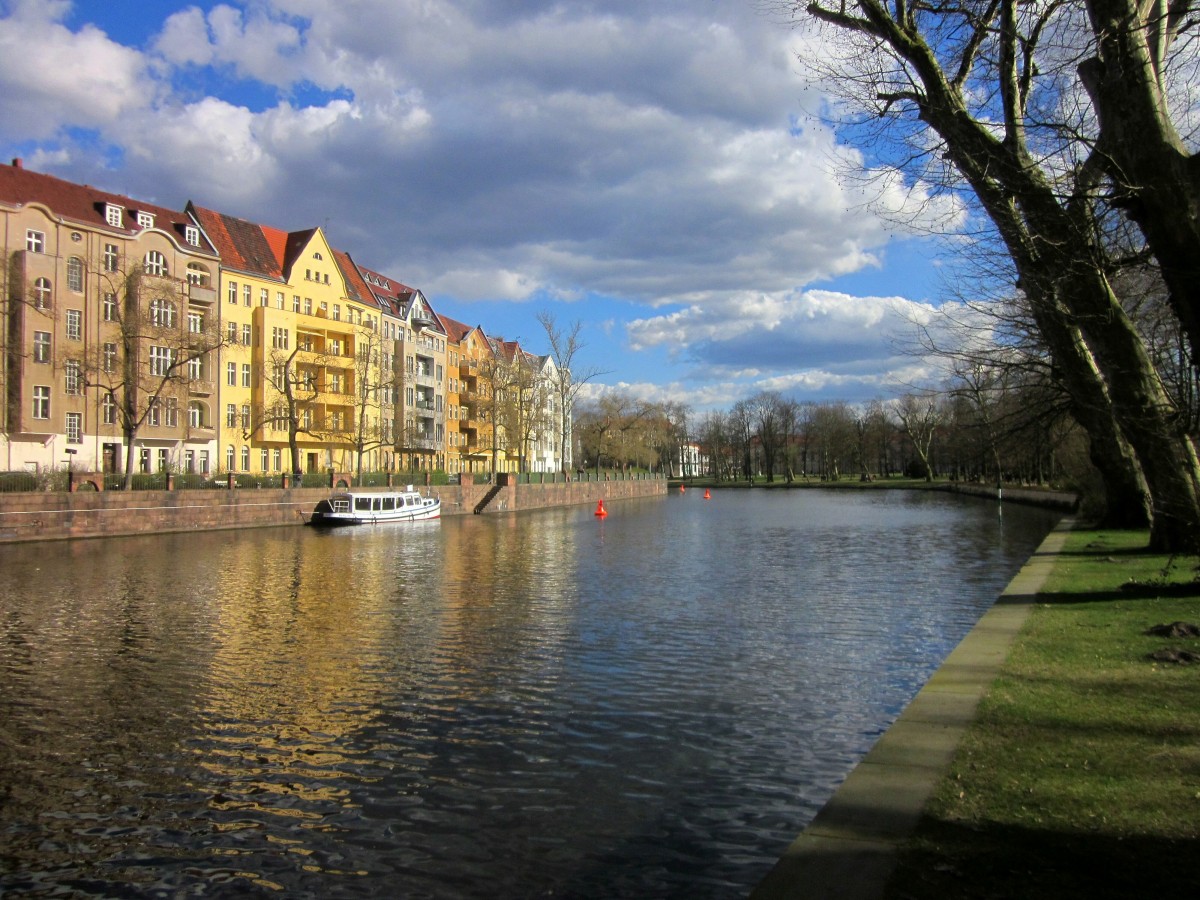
column 145, row 220
column 112, row 214
column 191, row 234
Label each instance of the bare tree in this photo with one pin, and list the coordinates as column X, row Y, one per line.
column 568, row 379
column 989, row 82
column 152, row 346
column 919, row 418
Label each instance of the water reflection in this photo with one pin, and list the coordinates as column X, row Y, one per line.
column 551, row 705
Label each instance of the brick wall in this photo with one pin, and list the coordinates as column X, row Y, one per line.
column 57, row 516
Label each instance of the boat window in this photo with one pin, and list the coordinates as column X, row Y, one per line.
column 362, row 502
column 389, row 503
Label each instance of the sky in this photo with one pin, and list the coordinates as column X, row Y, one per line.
column 659, row 171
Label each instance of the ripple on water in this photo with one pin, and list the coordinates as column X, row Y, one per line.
column 548, row 705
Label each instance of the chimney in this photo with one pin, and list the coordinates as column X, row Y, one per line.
column 18, row 163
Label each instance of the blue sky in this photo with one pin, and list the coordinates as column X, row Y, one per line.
column 653, row 170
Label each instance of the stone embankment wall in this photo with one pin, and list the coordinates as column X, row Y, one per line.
column 56, row 516
column 1061, row 500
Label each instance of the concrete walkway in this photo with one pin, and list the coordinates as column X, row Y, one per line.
column 849, row 850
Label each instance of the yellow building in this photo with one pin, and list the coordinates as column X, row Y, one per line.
column 299, row 388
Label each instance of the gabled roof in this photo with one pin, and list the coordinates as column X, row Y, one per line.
column 356, row 288
column 86, row 205
column 243, row 246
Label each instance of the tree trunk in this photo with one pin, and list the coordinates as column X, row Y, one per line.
column 1140, row 145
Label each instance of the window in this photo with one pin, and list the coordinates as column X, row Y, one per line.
column 162, row 459
column 41, row 402
column 112, row 258
column 246, row 290
column 75, row 274
column 43, row 293
column 246, row 338
column 160, row 360
column 144, row 459
column 189, row 463
column 279, row 300
column 245, row 458
column 246, row 416
column 295, row 303
column 191, row 234
column 74, row 428
column 279, row 338
column 74, row 325
column 112, row 215
column 108, row 410
column 197, row 274
column 230, row 416
column 229, row 460
column 264, row 297
column 41, row 346
column 155, row 263
column 145, row 220
column 265, row 459
column 35, row 241
column 337, row 312
column 110, row 357
column 162, row 313
column 231, row 374
column 308, row 306
column 231, row 333
column 203, row 462
column 245, row 375
column 196, row 368
column 276, row 459
column 196, row 414
column 195, row 322
column 110, row 307
column 318, row 256
column 73, row 377
column 171, row 408
column 154, row 414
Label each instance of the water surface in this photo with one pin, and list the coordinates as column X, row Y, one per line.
column 543, row 705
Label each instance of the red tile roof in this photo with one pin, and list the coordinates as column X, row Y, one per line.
column 243, row 246
column 85, row 205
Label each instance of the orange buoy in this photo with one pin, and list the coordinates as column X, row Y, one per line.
column 600, row 510
column 682, row 489
column 707, row 495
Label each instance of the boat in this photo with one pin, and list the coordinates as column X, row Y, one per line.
column 370, row 507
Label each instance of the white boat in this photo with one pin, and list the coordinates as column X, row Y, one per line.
column 369, row 507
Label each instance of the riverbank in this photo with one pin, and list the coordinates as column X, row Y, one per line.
column 45, row 516
column 1047, row 498
column 1049, row 757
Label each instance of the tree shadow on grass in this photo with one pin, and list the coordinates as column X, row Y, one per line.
column 953, row 860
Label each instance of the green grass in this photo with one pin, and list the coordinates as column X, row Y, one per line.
column 1081, row 775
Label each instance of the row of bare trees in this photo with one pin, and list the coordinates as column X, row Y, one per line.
column 1056, row 127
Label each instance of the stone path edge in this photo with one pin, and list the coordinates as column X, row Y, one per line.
column 849, row 850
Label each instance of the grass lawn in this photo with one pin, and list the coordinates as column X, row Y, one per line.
column 1081, row 775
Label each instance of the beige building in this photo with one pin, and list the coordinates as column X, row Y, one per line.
column 110, row 331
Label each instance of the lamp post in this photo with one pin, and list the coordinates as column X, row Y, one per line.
column 70, row 451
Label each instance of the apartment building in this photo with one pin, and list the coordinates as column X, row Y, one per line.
column 415, row 342
column 139, row 338
column 299, row 375
column 110, row 330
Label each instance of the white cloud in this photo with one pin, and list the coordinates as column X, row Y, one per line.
column 52, row 78
column 532, row 151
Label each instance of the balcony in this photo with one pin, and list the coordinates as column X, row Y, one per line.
column 198, row 293
column 202, row 387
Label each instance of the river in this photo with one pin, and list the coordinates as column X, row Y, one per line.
column 541, row 705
